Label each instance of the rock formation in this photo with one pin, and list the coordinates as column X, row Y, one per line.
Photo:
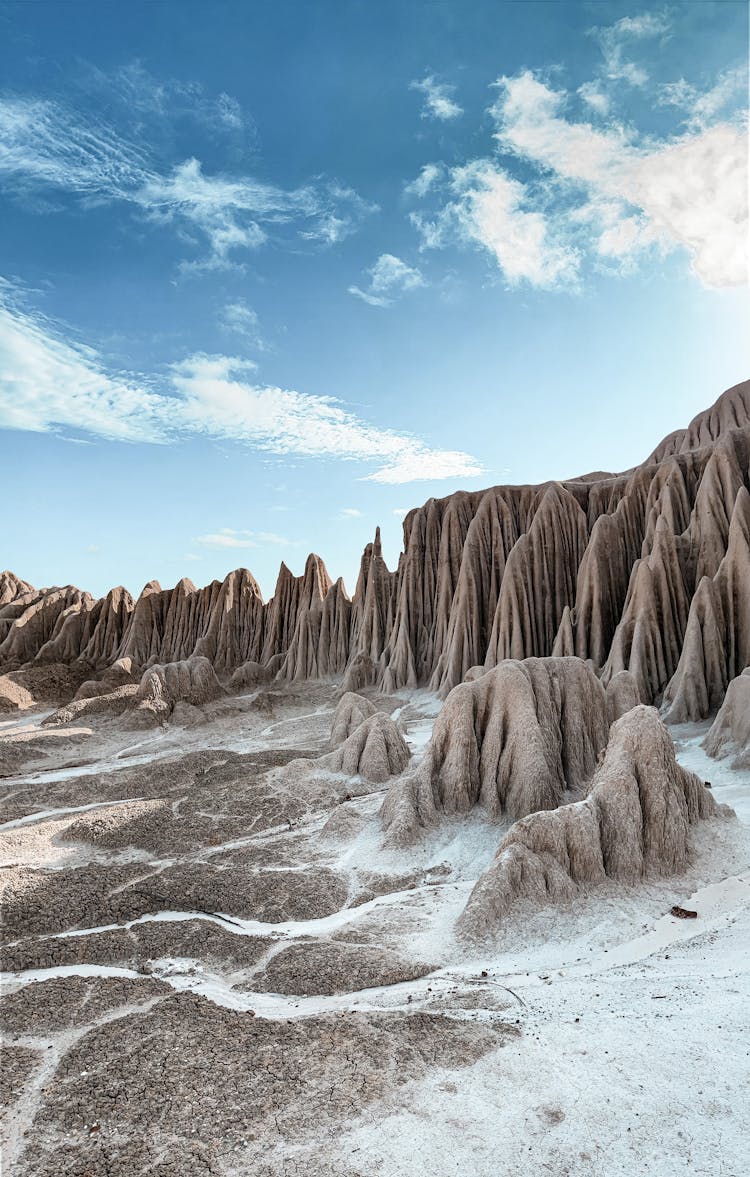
column 247, row 676
column 11, row 588
column 645, row 571
column 375, row 750
column 519, row 738
column 161, row 688
column 622, row 695
column 635, row 822
column 717, row 638
column 192, row 681
column 351, row 711
column 729, row 734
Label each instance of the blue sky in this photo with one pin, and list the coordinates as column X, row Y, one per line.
column 271, row 274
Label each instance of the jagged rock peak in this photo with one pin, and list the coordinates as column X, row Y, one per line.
column 11, row 587
column 730, row 411
column 630, row 571
column 716, row 647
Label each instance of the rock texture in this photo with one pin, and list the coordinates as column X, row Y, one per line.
column 375, row 750
column 351, row 711
column 634, row 822
column 729, row 734
column 518, row 739
column 647, row 572
column 192, row 681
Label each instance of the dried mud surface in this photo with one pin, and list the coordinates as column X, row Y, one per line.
column 212, row 964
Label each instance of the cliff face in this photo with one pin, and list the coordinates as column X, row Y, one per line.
column 646, row 572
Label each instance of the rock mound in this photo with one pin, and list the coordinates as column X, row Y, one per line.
column 634, row 822
column 190, row 681
column 352, row 710
column 119, row 674
column 247, row 676
column 729, row 734
column 14, row 696
column 375, row 750
column 114, row 702
column 517, row 739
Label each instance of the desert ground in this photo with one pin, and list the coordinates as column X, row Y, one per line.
column 216, row 963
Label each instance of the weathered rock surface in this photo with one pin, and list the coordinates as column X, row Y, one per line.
column 192, row 681
column 634, row 822
column 351, row 711
column 729, row 734
column 622, row 694
column 517, row 739
column 717, row 638
column 375, row 750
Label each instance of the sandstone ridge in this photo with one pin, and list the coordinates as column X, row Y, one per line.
column 645, row 572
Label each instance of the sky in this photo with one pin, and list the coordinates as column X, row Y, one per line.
column 272, row 274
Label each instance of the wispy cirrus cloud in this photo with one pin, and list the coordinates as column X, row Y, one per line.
column 49, row 382
column 237, row 318
column 701, row 107
column 228, row 537
column 619, row 39
column 48, row 148
column 438, row 99
column 389, row 278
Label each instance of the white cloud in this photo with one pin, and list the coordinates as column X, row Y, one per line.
column 237, row 318
column 401, row 512
column 616, row 39
column 48, row 383
column 423, row 465
column 46, row 146
column 593, row 95
column 389, row 278
column 351, row 513
column 702, row 106
column 492, row 209
column 688, row 192
column 599, row 191
column 426, row 180
column 228, row 537
column 438, row 101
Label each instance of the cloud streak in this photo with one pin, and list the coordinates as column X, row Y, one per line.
column 228, row 537
column 49, row 383
column 47, row 147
